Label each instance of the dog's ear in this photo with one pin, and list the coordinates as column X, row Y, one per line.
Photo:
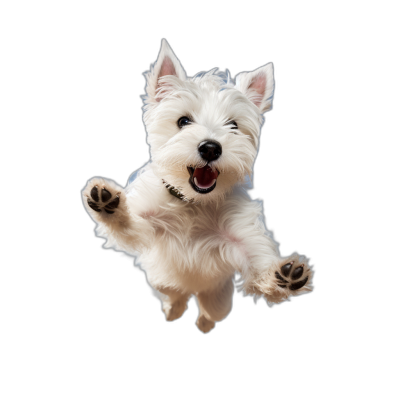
column 258, row 86
column 167, row 64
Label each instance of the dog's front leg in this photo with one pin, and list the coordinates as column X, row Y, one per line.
column 107, row 203
column 255, row 255
column 266, row 273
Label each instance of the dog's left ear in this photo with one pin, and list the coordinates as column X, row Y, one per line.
column 167, row 64
column 258, row 86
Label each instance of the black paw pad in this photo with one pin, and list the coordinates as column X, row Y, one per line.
column 286, row 269
column 105, row 204
column 113, row 204
column 298, row 285
column 93, row 205
column 292, row 274
column 105, row 195
column 94, row 193
column 280, row 279
column 297, row 273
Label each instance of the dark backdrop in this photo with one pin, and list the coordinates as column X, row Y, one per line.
column 108, row 300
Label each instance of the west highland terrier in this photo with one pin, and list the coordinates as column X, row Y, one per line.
column 187, row 214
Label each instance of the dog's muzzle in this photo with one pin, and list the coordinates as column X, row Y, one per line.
column 203, row 180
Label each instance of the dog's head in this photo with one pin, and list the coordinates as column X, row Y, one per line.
column 203, row 131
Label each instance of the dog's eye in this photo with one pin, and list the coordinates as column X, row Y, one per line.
column 235, row 126
column 183, row 121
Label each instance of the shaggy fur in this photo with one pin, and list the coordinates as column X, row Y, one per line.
column 193, row 243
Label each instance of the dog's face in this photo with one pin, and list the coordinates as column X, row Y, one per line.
column 203, row 131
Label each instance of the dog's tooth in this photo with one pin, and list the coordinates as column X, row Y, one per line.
column 201, row 187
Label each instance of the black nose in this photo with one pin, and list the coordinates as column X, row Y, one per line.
column 209, row 150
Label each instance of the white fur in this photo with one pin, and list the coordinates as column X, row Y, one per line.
column 196, row 245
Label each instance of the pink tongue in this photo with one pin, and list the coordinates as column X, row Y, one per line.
column 205, row 176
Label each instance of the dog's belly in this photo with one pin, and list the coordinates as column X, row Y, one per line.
column 191, row 269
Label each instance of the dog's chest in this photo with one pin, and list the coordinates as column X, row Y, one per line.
column 187, row 227
column 189, row 250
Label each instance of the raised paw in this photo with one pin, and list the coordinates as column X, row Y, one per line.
column 293, row 275
column 101, row 198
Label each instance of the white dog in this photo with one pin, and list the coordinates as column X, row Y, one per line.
column 187, row 212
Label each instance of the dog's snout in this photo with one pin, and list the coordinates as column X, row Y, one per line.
column 210, row 150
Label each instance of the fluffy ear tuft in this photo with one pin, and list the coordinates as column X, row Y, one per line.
column 167, row 64
column 258, row 86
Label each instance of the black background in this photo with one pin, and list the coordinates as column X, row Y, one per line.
column 108, row 302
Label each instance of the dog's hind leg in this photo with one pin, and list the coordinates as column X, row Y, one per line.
column 214, row 305
column 174, row 303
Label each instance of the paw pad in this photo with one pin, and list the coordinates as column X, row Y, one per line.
column 97, row 204
column 293, row 275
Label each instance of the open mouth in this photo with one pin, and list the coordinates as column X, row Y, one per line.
column 203, row 180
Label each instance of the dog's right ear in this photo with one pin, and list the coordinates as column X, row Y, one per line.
column 258, row 86
column 167, row 64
